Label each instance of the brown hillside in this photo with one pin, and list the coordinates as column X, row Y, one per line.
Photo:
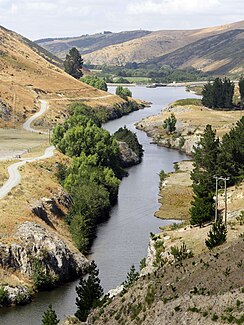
column 26, row 75
column 160, row 43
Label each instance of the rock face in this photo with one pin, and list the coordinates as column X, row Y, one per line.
column 5, row 111
column 36, row 242
column 129, row 157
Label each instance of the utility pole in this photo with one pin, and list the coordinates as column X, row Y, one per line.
column 216, row 199
column 225, row 179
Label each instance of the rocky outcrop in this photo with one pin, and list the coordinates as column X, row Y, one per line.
column 5, row 111
column 37, row 252
column 33, row 241
column 129, row 157
column 18, row 295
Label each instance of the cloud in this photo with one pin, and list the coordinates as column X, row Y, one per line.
column 57, row 18
column 170, row 7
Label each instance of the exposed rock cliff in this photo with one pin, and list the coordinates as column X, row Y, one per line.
column 129, row 157
column 32, row 246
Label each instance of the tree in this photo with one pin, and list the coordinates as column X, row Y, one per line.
column 169, row 124
column 89, row 292
column 96, row 82
column 217, row 235
column 205, row 166
column 123, row 92
column 231, row 156
column 132, row 276
column 50, row 317
column 219, row 94
column 241, row 89
column 73, row 63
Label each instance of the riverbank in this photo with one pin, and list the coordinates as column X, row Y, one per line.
column 191, row 122
column 176, row 192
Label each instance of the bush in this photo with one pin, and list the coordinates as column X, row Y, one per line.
column 181, row 253
column 3, row 296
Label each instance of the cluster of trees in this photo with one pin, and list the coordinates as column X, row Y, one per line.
column 73, row 63
column 125, row 135
column 210, row 158
column 156, row 71
column 96, row 82
column 92, row 180
column 94, row 175
column 218, row 94
column 123, row 92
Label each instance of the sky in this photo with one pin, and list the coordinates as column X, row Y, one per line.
column 37, row 19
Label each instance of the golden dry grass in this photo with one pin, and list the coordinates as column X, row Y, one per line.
column 176, row 194
column 38, row 181
column 25, row 77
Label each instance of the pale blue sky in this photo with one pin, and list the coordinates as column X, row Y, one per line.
column 45, row 18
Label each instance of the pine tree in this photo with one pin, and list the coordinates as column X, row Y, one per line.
column 132, row 276
column 89, row 292
column 205, row 167
column 207, row 95
column 231, row 157
column 50, row 317
column 217, row 235
column 73, row 63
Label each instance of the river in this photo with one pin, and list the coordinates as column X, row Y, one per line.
column 122, row 240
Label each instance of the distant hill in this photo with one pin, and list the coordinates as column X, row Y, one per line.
column 28, row 72
column 218, row 50
column 218, row 54
column 88, row 43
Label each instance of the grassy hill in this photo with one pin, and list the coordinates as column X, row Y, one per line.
column 218, row 50
column 88, row 43
column 218, row 54
column 28, row 72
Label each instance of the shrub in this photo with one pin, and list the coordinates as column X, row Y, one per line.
column 181, row 253
column 3, row 296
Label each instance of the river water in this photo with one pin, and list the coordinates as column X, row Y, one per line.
column 122, row 240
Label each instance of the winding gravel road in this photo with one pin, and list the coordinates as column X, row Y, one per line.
column 13, row 170
column 27, row 124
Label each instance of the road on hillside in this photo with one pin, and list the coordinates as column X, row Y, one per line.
column 27, row 124
column 13, row 170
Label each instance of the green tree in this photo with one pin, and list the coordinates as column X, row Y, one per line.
column 241, row 89
column 217, row 235
column 123, row 92
column 73, row 63
column 169, row 124
column 132, row 276
column 50, row 317
column 96, row 82
column 219, row 94
column 205, row 156
column 89, row 291
column 231, row 157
